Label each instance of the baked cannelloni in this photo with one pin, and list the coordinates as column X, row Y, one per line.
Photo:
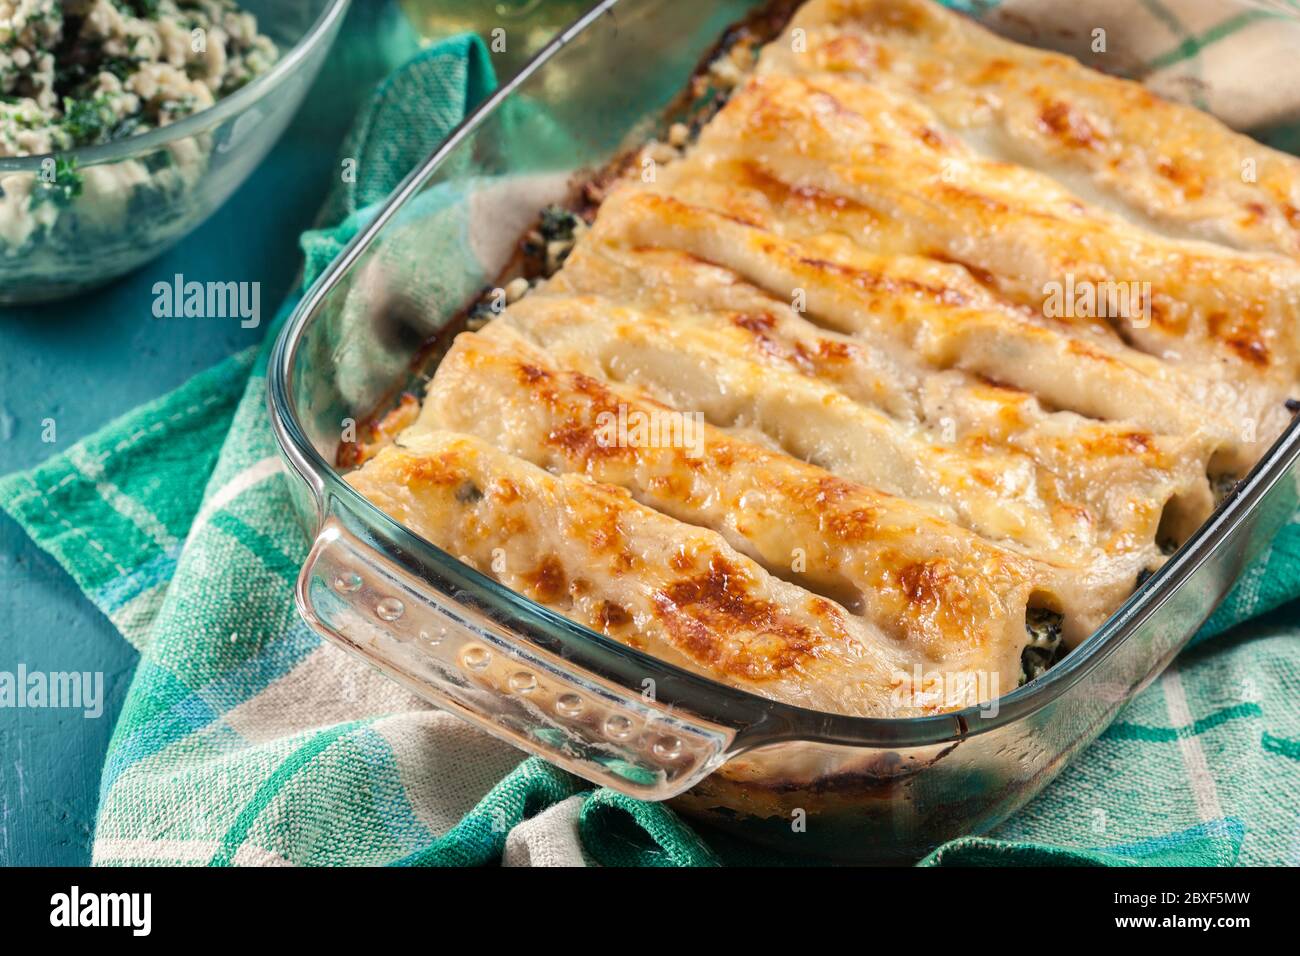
column 887, row 390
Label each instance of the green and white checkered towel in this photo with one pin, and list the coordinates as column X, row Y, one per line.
column 246, row 740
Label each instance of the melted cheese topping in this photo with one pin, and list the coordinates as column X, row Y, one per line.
column 824, row 410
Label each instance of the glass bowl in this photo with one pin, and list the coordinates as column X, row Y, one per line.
column 128, row 201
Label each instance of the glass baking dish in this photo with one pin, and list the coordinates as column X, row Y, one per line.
column 871, row 790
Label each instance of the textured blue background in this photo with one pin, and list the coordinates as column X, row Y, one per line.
column 86, row 361
column 83, row 363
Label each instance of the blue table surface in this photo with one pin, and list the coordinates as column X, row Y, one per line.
column 82, row 367
column 83, row 363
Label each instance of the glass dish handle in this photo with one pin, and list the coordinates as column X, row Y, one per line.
column 461, row 660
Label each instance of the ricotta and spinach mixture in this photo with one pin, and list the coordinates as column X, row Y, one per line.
column 77, row 73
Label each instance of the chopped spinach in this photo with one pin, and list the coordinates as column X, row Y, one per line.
column 88, row 121
column 159, row 159
column 554, row 238
column 558, row 224
column 120, row 66
column 1044, row 648
column 65, row 186
column 144, row 9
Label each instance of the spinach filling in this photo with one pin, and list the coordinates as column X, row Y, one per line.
column 145, row 9
column 63, row 188
column 558, row 224
column 1222, row 486
column 1044, row 649
column 554, row 238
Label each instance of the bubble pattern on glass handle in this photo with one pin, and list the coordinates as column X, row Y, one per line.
column 455, row 656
